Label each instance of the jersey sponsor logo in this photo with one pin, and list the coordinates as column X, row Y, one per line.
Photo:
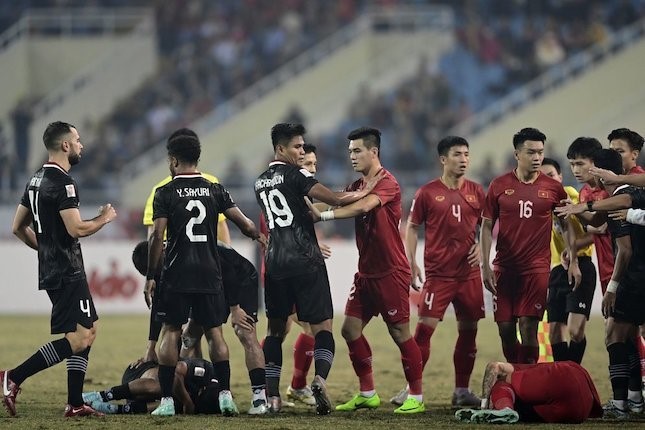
column 509, row 192
column 471, row 198
column 542, row 194
column 440, row 198
column 582, row 305
column 71, row 191
column 538, row 306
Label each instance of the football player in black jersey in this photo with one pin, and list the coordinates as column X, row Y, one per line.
column 49, row 221
column 623, row 303
column 195, row 389
column 295, row 270
column 187, row 209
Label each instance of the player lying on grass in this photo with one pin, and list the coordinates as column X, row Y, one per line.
column 556, row 392
column 195, row 390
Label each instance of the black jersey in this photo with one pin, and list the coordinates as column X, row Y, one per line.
column 191, row 205
column 637, row 235
column 49, row 191
column 293, row 248
column 239, row 276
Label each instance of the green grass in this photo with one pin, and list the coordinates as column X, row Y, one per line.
column 121, row 339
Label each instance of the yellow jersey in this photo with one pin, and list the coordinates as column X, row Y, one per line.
column 147, row 212
column 558, row 241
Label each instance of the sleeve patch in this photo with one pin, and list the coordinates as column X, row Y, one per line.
column 306, row 173
column 71, row 190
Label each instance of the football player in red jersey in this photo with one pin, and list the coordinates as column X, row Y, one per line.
column 449, row 210
column 522, row 201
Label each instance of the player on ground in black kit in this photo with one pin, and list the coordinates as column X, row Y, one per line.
column 195, row 389
column 295, row 269
column 624, row 301
column 49, row 221
column 191, row 279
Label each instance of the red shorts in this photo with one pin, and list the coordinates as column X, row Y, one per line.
column 467, row 297
column 560, row 392
column 388, row 295
column 520, row 295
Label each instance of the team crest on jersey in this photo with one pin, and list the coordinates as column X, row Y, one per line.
column 71, row 191
column 306, row 172
column 509, row 191
column 440, row 198
column 471, row 198
column 543, row 194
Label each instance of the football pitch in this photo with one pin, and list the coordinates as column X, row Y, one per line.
column 122, row 338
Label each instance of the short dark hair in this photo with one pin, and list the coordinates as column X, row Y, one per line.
column 609, row 159
column 54, row 132
column 551, row 162
column 371, row 136
column 633, row 139
column 444, row 145
column 583, row 147
column 140, row 257
column 528, row 133
column 309, row 148
column 282, row 133
column 183, row 132
column 208, row 400
column 186, row 149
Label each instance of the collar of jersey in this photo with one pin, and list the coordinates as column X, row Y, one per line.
column 619, row 188
column 277, row 162
column 56, row 166
column 188, row 175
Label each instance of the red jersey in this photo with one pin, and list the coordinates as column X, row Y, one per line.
column 380, row 248
column 636, row 170
column 449, row 218
column 524, row 214
column 602, row 242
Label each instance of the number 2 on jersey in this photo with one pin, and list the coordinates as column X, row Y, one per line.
column 277, row 209
column 196, row 220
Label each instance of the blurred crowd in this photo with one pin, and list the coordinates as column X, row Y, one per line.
column 212, row 50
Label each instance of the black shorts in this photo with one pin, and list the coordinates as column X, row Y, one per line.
column 72, row 304
column 248, row 302
column 207, row 310
column 562, row 300
column 630, row 299
column 309, row 293
column 245, row 290
column 131, row 374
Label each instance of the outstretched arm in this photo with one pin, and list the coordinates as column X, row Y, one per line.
column 179, row 389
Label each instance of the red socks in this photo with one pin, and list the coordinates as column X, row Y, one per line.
column 303, row 354
column 422, row 337
column 502, row 396
column 360, row 355
column 464, row 357
column 412, row 365
column 528, row 354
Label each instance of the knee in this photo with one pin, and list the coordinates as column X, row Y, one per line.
column 576, row 334
column 350, row 333
column 80, row 340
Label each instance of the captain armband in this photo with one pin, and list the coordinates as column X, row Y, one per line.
column 612, row 286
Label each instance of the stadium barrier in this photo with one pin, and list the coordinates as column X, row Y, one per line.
column 117, row 287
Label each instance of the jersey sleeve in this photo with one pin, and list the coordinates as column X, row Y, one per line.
column 386, row 190
column 561, row 194
column 619, row 228
column 221, row 217
column 303, row 180
column 68, row 196
column 25, row 198
column 147, row 210
column 224, row 199
column 417, row 210
column 159, row 204
column 491, row 205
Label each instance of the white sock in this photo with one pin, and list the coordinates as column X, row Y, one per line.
column 418, row 397
column 369, row 393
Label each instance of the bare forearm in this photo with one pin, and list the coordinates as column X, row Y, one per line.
column 154, row 255
column 491, row 375
column 486, row 237
column 411, row 241
column 27, row 235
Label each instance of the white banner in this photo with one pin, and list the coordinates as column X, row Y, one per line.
column 118, row 288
